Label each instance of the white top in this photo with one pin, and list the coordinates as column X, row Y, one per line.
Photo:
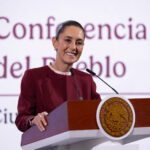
column 59, row 72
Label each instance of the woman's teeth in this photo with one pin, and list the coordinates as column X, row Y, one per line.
column 71, row 54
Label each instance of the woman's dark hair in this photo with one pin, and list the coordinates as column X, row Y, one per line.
column 65, row 24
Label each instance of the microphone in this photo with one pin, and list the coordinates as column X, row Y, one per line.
column 94, row 74
column 78, row 91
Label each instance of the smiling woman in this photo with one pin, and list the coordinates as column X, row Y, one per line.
column 45, row 88
column 68, row 46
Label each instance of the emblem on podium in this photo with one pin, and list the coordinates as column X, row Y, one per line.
column 115, row 117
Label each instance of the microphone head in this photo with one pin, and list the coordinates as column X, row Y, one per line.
column 91, row 72
column 72, row 72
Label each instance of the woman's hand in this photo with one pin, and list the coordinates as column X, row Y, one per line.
column 40, row 121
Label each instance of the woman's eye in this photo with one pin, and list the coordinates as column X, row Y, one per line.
column 68, row 40
column 79, row 43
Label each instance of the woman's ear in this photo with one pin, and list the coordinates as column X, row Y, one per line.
column 55, row 43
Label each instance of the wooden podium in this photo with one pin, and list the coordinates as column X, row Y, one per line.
column 74, row 123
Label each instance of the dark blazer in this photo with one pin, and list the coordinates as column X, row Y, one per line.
column 43, row 90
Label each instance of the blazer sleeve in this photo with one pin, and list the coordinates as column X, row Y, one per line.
column 26, row 103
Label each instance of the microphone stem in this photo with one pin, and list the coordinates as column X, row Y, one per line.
column 78, row 91
column 80, row 98
column 107, row 84
column 94, row 74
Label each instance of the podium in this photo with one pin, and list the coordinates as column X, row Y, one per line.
column 73, row 125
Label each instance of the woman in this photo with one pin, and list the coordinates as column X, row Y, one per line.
column 43, row 89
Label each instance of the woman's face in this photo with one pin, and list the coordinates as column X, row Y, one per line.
column 69, row 45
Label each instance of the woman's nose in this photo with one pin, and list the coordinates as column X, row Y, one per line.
column 73, row 45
